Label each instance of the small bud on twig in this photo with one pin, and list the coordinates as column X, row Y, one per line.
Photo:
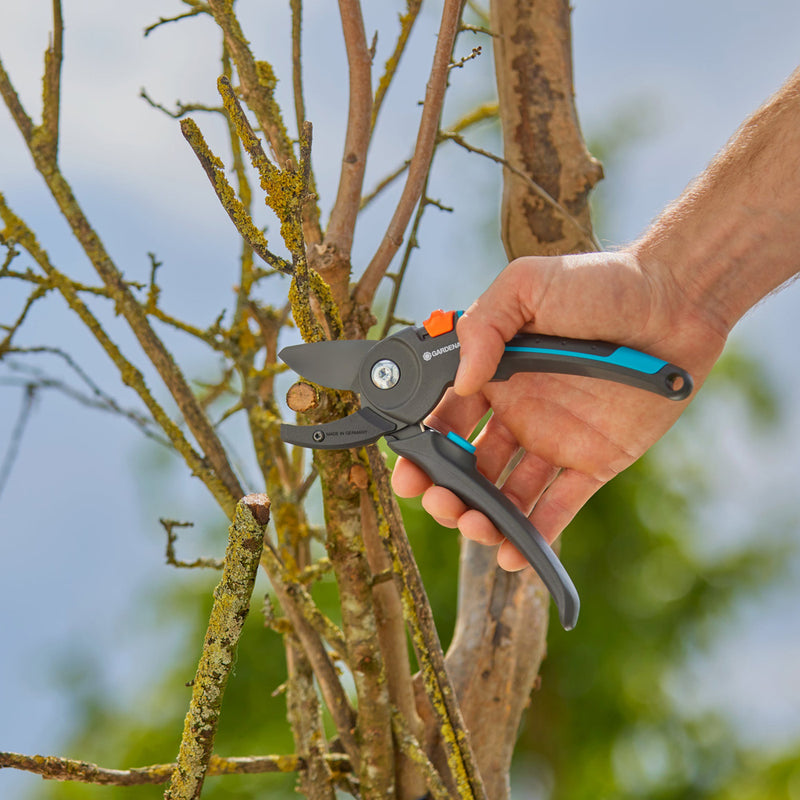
column 358, row 477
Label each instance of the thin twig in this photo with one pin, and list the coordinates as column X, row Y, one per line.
column 37, row 294
column 476, row 51
column 25, row 409
column 297, row 62
column 311, row 227
column 477, row 29
column 169, row 526
column 181, row 109
column 199, row 9
column 483, row 112
column 247, row 269
column 100, row 400
column 215, row 170
column 587, row 235
column 397, row 279
column 19, row 232
column 127, row 305
column 421, row 160
column 14, row 105
column 302, row 490
column 67, row 769
column 407, row 21
column 384, row 183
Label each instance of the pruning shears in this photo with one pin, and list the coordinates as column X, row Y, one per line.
column 402, row 378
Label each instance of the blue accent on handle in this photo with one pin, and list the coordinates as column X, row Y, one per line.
column 621, row 357
column 461, row 442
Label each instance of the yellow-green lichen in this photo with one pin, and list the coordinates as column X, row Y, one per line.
column 304, row 318
column 231, row 604
column 266, row 75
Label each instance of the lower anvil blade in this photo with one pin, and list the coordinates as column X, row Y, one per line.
column 356, row 430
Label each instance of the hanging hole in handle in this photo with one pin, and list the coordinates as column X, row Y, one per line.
column 675, row 382
column 679, row 385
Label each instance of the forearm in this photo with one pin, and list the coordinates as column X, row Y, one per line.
column 734, row 235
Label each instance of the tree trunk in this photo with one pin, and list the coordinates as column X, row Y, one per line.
column 500, row 637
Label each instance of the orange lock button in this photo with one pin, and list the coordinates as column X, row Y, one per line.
column 440, row 322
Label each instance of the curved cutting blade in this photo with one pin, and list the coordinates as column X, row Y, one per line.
column 333, row 364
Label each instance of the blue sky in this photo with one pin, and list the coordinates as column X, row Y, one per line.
column 697, row 67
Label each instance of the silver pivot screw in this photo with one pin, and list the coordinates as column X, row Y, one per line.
column 385, row 374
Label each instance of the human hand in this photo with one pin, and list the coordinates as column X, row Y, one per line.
column 575, row 433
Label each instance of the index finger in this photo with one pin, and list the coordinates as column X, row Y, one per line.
column 458, row 414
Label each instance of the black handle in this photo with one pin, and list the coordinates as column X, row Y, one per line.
column 593, row 359
column 450, row 462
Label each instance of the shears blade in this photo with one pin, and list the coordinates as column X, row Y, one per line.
column 334, row 364
column 360, row 428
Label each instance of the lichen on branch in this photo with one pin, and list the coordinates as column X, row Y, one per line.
column 231, row 604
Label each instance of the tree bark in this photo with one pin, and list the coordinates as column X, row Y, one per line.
column 541, row 134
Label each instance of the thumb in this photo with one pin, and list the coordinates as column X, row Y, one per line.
column 492, row 320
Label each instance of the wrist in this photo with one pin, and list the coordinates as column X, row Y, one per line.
column 734, row 235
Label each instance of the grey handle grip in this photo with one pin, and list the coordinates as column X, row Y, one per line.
column 593, row 359
column 451, row 463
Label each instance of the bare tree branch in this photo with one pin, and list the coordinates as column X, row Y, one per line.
column 421, row 160
column 407, row 21
column 43, row 152
column 330, row 686
column 393, row 643
column 258, row 82
column 341, row 226
column 18, row 232
column 231, row 604
column 98, row 398
column 464, row 776
column 234, row 207
column 169, row 526
column 397, row 278
column 200, row 8
column 51, row 95
column 26, row 407
column 67, row 769
column 297, row 62
column 181, row 109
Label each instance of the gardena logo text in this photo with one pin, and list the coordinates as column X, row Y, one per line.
column 429, row 354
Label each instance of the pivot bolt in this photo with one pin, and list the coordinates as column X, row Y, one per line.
column 385, row 374
column 318, row 436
